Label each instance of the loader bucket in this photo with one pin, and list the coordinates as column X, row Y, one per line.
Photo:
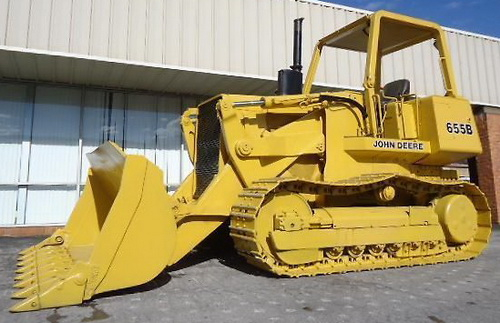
column 121, row 233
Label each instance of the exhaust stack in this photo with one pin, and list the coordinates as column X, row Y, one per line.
column 290, row 80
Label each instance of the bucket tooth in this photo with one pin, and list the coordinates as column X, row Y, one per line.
column 27, row 257
column 25, row 263
column 25, row 283
column 27, row 292
column 27, row 251
column 53, row 291
column 25, row 267
column 25, row 275
column 29, row 304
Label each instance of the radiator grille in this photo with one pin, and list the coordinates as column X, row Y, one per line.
column 207, row 146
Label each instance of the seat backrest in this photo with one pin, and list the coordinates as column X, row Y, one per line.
column 397, row 89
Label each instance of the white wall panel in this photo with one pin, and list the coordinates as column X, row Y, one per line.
column 328, row 59
column 236, row 36
column 489, row 64
column 251, row 41
column 140, row 136
column 80, row 27
column 252, row 37
column 221, row 36
column 54, row 148
column 317, row 31
column 137, row 33
column 4, row 12
column 99, row 27
column 172, row 38
column 8, row 205
column 41, row 157
column 154, row 31
column 118, row 41
column 482, row 73
column 60, row 25
column 493, row 66
column 279, row 40
column 94, row 126
column 206, row 36
column 168, row 132
column 39, row 24
column 13, row 106
column 49, row 206
column 18, row 23
column 189, row 32
column 265, row 39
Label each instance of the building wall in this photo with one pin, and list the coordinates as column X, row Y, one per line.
column 488, row 164
column 247, row 37
column 45, row 132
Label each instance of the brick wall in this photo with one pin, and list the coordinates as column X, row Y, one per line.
column 488, row 164
column 27, row 231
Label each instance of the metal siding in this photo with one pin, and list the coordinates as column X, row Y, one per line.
column 453, row 42
column 39, row 24
column 354, row 61
column 118, row 41
column 464, row 68
column 137, row 31
column 329, row 59
column 489, row 71
column 316, row 27
column 8, row 204
column 12, row 114
column 99, row 27
column 168, row 132
column 60, row 25
column 265, row 36
column 45, row 67
column 140, row 136
column 482, row 73
column 205, row 44
column 291, row 13
column 342, row 55
column 250, row 37
column 426, row 69
column 222, row 30
column 189, row 32
column 49, row 206
column 154, row 31
column 474, row 72
column 495, row 70
column 279, row 44
column 79, row 42
column 18, row 23
column 54, row 147
column 46, row 159
column 408, row 64
column 304, row 10
column 172, row 28
column 4, row 11
column 236, row 43
column 64, row 70
column 94, row 127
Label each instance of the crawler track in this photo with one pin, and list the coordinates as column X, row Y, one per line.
column 246, row 210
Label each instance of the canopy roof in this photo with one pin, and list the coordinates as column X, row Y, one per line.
column 396, row 32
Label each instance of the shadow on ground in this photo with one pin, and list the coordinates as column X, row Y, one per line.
column 218, row 245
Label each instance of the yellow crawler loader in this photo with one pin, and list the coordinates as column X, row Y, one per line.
column 311, row 183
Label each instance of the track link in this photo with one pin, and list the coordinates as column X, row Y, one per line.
column 246, row 210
